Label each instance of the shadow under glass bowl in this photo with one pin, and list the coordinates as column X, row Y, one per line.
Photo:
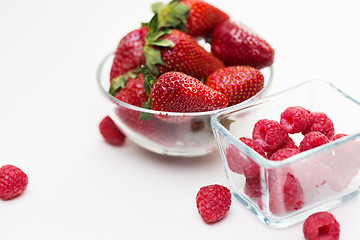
column 166, row 133
column 286, row 192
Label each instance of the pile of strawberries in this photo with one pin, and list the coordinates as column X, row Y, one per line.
column 161, row 65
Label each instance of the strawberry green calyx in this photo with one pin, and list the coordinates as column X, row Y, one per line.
column 152, row 55
column 120, row 81
column 172, row 15
column 149, row 81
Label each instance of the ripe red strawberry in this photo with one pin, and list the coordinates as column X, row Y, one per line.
column 179, row 52
column 197, row 18
column 203, row 17
column 237, row 83
column 129, row 54
column 133, row 92
column 178, row 92
column 236, row 44
column 13, row 181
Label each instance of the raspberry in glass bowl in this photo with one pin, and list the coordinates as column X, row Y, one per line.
column 293, row 153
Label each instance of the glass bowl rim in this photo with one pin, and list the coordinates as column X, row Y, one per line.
column 186, row 114
column 260, row 160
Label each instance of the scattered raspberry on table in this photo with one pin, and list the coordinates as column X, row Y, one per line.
column 111, row 132
column 321, row 225
column 213, row 202
column 13, row 181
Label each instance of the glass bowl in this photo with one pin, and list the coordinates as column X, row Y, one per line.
column 286, row 192
column 185, row 135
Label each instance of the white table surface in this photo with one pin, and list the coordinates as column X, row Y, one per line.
column 82, row 188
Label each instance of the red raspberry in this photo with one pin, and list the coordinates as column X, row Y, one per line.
column 311, row 173
column 295, row 119
column 253, row 187
column 312, row 140
column 339, row 135
column 269, row 134
column 288, row 143
column 321, row 225
column 213, row 202
column 13, row 181
column 280, row 155
column 321, row 123
column 286, row 194
column 284, row 153
column 111, row 132
column 340, row 179
column 241, row 164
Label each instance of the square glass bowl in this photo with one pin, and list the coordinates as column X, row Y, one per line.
column 285, row 192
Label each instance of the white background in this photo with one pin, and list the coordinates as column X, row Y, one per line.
column 82, row 188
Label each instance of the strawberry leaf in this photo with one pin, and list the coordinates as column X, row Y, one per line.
column 117, row 83
column 153, row 25
column 156, row 35
column 155, row 7
column 173, row 15
column 149, row 79
column 143, row 116
column 153, row 57
column 163, row 43
column 120, row 81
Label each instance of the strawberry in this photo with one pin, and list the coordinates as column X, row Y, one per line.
column 129, row 54
column 178, row 92
column 236, row 44
column 197, row 18
column 129, row 89
column 237, row 83
column 173, row 50
column 133, row 92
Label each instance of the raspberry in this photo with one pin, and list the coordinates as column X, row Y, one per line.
column 110, row 132
column 339, row 135
column 321, row 225
column 340, row 179
column 286, row 194
column 253, row 187
column 13, row 181
column 321, row 123
column 312, row 173
column 312, row 140
column 269, row 134
column 240, row 163
column 213, row 202
column 289, row 143
column 284, row 153
column 295, row 119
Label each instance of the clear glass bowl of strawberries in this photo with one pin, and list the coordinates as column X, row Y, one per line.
column 293, row 153
column 165, row 82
